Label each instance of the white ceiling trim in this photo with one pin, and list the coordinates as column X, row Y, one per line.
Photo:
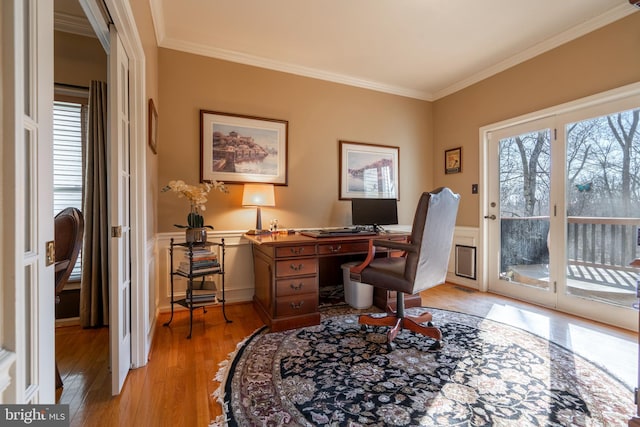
column 607, row 18
column 157, row 13
column 315, row 73
column 72, row 24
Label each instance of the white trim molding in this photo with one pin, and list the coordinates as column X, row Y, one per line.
column 7, row 359
column 467, row 236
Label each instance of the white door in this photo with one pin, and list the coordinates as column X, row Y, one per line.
column 119, row 180
column 518, row 217
column 27, row 315
column 563, row 210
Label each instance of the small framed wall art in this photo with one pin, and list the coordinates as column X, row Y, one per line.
column 369, row 170
column 240, row 149
column 153, row 127
column 453, row 160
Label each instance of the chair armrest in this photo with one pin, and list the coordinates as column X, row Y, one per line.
column 393, row 244
column 356, row 271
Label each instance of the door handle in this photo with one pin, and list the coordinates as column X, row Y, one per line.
column 491, row 217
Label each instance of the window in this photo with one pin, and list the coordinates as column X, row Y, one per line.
column 69, row 124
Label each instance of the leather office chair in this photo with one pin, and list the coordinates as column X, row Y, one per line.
column 422, row 265
column 69, row 229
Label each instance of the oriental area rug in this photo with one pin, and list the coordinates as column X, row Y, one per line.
column 487, row 374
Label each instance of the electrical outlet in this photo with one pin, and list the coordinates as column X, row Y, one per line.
column 474, row 188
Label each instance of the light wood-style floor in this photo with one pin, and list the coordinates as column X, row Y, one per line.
column 175, row 388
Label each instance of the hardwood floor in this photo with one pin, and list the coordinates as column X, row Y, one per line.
column 176, row 386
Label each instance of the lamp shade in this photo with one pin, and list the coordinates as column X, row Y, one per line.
column 258, row 195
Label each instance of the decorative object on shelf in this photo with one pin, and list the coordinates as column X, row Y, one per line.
column 453, row 160
column 258, row 195
column 239, row 149
column 368, row 170
column 196, row 230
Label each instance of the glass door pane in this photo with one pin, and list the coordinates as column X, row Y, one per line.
column 602, row 206
column 524, row 174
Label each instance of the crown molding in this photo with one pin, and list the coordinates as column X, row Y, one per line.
column 72, row 24
column 580, row 30
column 270, row 64
column 586, row 27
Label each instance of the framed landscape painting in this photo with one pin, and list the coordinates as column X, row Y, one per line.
column 239, row 149
column 369, row 170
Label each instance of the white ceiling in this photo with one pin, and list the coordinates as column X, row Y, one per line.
column 423, row 49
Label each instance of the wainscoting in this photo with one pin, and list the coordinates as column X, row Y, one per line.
column 239, row 265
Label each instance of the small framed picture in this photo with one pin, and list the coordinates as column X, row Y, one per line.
column 369, row 170
column 237, row 149
column 153, row 127
column 453, row 160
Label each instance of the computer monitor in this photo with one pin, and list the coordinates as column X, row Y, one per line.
column 374, row 212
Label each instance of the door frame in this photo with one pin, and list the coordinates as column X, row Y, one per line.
column 124, row 22
column 484, row 257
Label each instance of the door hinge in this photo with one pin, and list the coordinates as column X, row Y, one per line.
column 51, row 253
column 555, row 134
column 555, row 287
column 116, row 231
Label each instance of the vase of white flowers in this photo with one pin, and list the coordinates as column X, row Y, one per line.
column 196, row 230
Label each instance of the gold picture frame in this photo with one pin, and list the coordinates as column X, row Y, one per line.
column 153, row 127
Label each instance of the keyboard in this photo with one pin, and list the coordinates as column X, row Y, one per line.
column 339, row 232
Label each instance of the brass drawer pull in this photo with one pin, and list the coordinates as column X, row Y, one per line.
column 296, row 267
column 298, row 250
column 296, row 287
column 335, row 249
column 296, row 305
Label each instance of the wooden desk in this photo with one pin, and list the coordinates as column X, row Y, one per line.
column 290, row 268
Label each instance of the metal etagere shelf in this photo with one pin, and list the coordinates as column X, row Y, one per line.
column 200, row 263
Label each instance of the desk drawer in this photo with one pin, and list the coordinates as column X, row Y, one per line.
column 297, row 304
column 296, row 267
column 293, row 251
column 296, row 286
column 343, row 248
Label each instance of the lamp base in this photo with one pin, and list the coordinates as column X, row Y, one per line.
column 258, row 232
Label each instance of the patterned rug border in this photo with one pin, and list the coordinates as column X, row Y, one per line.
column 229, row 365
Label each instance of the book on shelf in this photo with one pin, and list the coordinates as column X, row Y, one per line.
column 198, row 298
column 204, row 285
column 210, row 268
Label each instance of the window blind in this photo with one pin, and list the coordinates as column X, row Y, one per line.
column 69, row 124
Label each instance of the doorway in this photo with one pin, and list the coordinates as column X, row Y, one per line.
column 563, row 209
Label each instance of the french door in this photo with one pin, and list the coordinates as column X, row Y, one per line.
column 564, row 211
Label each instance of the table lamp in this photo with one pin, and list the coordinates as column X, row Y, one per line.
column 258, row 195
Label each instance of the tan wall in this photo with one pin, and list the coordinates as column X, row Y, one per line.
column 319, row 114
column 602, row 60
column 78, row 59
column 144, row 24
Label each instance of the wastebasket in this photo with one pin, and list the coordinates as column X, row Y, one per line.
column 357, row 295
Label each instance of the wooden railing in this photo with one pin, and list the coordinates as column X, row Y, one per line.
column 602, row 242
column 591, row 241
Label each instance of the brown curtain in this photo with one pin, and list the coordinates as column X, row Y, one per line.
column 94, row 292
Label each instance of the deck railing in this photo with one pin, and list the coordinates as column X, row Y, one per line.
column 591, row 241
column 602, row 242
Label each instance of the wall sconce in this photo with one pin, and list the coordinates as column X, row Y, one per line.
column 258, row 195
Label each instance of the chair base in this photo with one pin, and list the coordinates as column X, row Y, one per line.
column 397, row 323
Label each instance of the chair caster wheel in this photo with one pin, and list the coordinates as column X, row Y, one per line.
column 435, row 346
column 363, row 328
column 391, row 346
column 430, row 324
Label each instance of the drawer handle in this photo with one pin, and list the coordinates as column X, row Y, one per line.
column 296, row 267
column 298, row 250
column 296, row 305
column 296, row 287
column 335, row 249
